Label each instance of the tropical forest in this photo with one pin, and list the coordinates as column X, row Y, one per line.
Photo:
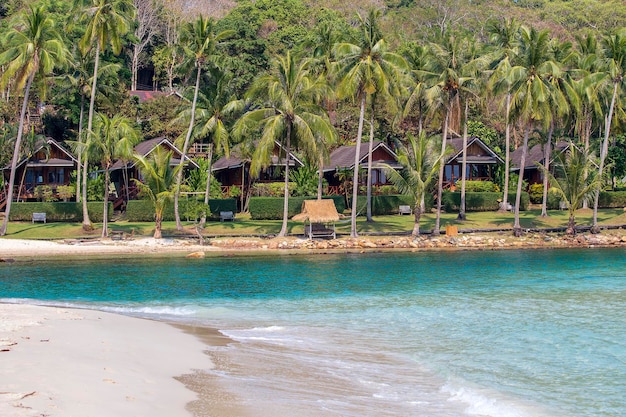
column 535, row 86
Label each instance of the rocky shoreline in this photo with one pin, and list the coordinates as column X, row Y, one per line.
column 492, row 241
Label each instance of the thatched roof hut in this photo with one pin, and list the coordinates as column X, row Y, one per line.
column 318, row 211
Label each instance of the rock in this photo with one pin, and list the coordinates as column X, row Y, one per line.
column 196, row 255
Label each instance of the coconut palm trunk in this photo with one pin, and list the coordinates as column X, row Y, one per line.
column 16, row 155
column 517, row 228
column 369, row 166
column 546, row 165
column 355, row 176
column 436, row 230
column 603, row 153
column 283, row 229
column 462, row 215
column 87, row 225
column 192, row 118
column 507, row 155
column 207, row 191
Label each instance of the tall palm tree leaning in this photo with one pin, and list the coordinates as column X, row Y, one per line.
column 201, row 43
column 365, row 69
column 531, row 95
column 615, row 55
column 420, row 161
column 34, row 48
column 288, row 114
column 112, row 138
column 159, row 182
column 445, row 76
column 107, row 22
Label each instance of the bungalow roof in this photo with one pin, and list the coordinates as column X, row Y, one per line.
column 50, row 162
column 146, row 147
column 535, row 155
column 318, row 211
column 343, row 156
column 236, row 161
column 488, row 157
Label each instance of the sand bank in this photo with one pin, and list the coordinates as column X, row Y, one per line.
column 76, row 363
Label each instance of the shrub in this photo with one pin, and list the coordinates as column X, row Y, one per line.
column 271, row 208
column 612, row 199
column 66, row 192
column 479, row 187
column 44, row 193
column 536, row 193
column 451, row 201
column 143, row 210
column 388, row 204
column 270, row 189
column 58, row 211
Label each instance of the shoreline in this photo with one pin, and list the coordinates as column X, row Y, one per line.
column 40, row 250
column 67, row 361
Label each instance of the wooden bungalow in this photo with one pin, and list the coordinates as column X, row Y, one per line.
column 343, row 158
column 121, row 168
column 234, row 171
column 535, row 158
column 481, row 162
column 319, row 217
column 51, row 164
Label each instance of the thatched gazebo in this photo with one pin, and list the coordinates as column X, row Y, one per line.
column 319, row 218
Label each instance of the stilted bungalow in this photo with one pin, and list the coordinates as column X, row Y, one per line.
column 535, row 158
column 50, row 164
column 122, row 172
column 481, row 162
column 342, row 158
column 234, row 171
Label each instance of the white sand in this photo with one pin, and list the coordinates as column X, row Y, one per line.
column 40, row 248
column 78, row 363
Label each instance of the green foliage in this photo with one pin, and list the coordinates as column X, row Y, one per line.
column 271, row 189
column 486, row 134
column 304, row 181
column 479, row 187
column 58, row 211
column 271, row 208
column 536, row 193
column 65, row 192
column 156, row 117
column 479, row 201
column 44, row 193
column 612, row 199
column 143, row 210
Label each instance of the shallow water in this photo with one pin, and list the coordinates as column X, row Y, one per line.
column 525, row 333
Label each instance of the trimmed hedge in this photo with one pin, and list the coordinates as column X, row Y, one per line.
column 271, row 208
column 451, row 201
column 612, row 199
column 143, row 210
column 389, row 204
column 59, row 211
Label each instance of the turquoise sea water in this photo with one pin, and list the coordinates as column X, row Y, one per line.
column 512, row 333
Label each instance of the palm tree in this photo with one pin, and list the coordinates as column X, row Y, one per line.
column 159, row 182
column 111, row 139
column 420, row 162
column 531, row 94
column 201, row 43
column 572, row 181
column 365, row 69
column 505, row 39
column 214, row 105
column 288, row 114
column 446, row 68
column 108, row 21
column 33, row 48
column 417, row 58
column 615, row 55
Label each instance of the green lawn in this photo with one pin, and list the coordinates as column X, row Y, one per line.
column 244, row 226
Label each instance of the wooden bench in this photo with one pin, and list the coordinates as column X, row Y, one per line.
column 405, row 210
column 39, row 217
column 313, row 230
column 117, row 234
column 227, row 215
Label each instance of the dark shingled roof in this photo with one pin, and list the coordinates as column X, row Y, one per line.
column 489, row 156
column 51, row 162
column 343, row 156
column 147, row 146
column 534, row 156
column 145, row 95
column 235, row 160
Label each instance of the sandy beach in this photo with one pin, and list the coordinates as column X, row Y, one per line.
column 68, row 362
